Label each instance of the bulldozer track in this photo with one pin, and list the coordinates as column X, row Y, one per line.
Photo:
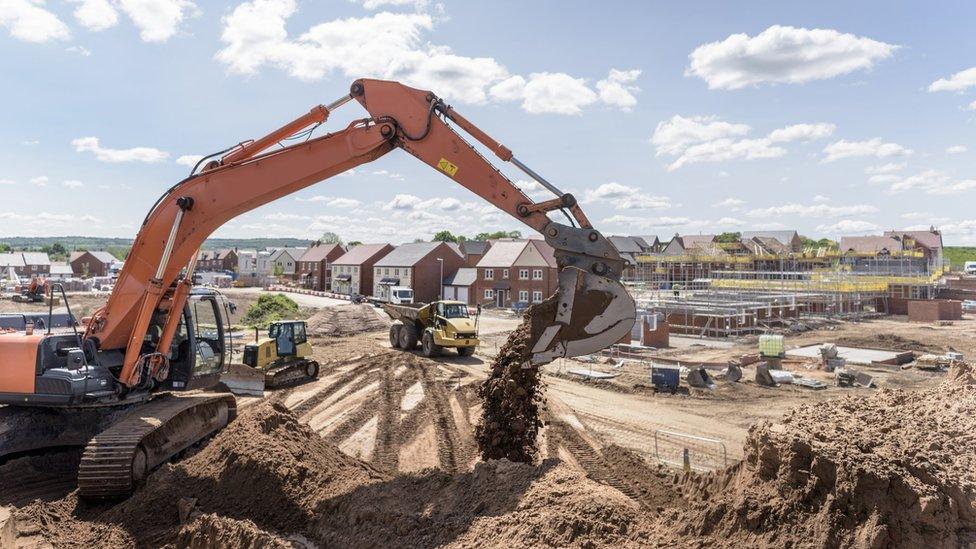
column 388, row 386
column 359, row 377
column 155, row 429
column 387, row 445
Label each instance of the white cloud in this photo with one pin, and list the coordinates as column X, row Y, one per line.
column 848, row 226
column 48, row 218
column 724, row 174
column 821, row 198
column 534, row 190
column 813, row 210
column 31, row 142
column 7, row 182
column 626, row 198
column 374, row 4
column 395, row 46
column 730, row 222
column 957, row 82
column 27, row 20
column 934, row 182
column 972, row 106
column 40, row 181
column 96, row 15
column 731, row 203
column 387, row 173
column 728, row 149
column 80, row 50
column 885, row 168
column 189, row 160
column 618, row 90
column 802, row 132
column 956, row 149
column 673, row 136
column 646, row 222
column 872, row 147
column 158, row 20
column 784, row 55
column 135, row 154
column 73, row 184
column 884, row 178
column 281, row 216
column 403, row 202
column 332, row 201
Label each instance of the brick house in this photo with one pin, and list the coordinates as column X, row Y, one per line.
column 352, row 272
column 89, row 264
column 516, row 270
column 315, row 265
column 217, row 260
column 285, row 260
column 789, row 239
column 690, row 245
column 473, row 251
column 460, row 285
column 416, row 266
column 929, row 243
column 870, row 245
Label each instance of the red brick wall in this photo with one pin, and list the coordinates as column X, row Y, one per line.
column 425, row 275
column 548, row 284
column 931, row 310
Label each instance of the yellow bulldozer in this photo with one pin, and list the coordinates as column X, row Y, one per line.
column 281, row 359
column 435, row 326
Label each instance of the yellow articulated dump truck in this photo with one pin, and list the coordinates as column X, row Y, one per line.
column 435, row 325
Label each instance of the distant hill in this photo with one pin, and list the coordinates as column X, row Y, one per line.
column 959, row 255
column 116, row 245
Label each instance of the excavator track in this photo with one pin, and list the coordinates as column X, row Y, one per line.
column 119, row 458
column 293, row 373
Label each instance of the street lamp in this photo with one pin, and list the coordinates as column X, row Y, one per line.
column 440, row 291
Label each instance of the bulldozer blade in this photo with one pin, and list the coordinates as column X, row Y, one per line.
column 763, row 377
column 241, row 379
column 591, row 313
column 733, row 373
column 698, row 377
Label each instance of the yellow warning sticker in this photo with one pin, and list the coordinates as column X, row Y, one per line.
column 445, row 166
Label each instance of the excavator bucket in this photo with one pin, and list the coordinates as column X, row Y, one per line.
column 241, row 379
column 588, row 314
column 763, row 377
column 733, row 373
column 698, row 377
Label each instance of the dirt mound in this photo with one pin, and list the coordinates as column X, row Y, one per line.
column 961, row 373
column 888, row 341
column 510, row 418
column 345, row 320
column 215, row 532
column 895, row 469
column 498, row 504
column 265, row 466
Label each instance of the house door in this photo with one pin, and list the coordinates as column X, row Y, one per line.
column 500, row 298
column 462, row 294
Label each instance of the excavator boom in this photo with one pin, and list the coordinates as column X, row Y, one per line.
column 593, row 310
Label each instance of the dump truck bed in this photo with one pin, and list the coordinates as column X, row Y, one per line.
column 403, row 312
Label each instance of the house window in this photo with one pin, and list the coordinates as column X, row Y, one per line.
column 489, row 274
column 536, row 274
column 536, row 296
column 386, row 271
column 489, row 294
column 523, row 274
column 396, row 272
column 505, row 274
column 523, row 295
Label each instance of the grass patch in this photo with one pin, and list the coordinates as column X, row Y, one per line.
column 270, row 308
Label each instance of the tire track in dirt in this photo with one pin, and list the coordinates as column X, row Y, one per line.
column 356, row 379
column 449, row 446
column 389, row 438
column 45, row 477
column 615, row 466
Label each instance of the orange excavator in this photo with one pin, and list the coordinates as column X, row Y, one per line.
column 123, row 388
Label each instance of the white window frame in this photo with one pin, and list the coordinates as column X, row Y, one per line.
column 505, row 273
column 489, row 293
column 536, row 274
column 536, row 296
column 523, row 274
column 489, row 274
column 523, row 295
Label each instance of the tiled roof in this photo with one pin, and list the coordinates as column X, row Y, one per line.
column 929, row 239
column 625, row 244
column 319, row 252
column 36, row 258
column 360, row 254
column 406, row 255
column 465, row 276
column 869, row 244
column 503, row 253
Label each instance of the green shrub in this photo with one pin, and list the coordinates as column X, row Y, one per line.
column 270, row 308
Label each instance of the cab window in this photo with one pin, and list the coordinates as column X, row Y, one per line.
column 300, row 334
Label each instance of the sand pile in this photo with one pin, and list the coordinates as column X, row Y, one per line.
column 345, row 320
column 888, row 341
column 265, row 467
column 895, row 469
column 512, row 394
column 498, row 504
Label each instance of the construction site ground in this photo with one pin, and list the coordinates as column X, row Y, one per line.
column 401, row 413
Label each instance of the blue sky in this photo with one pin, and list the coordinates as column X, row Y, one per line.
column 832, row 118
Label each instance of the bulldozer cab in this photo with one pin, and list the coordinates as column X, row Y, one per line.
column 288, row 336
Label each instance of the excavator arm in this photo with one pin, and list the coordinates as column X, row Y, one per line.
column 593, row 309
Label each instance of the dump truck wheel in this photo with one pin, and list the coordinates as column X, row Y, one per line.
column 395, row 335
column 430, row 348
column 408, row 337
column 465, row 351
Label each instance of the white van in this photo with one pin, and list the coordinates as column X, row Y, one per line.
column 970, row 267
column 400, row 295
